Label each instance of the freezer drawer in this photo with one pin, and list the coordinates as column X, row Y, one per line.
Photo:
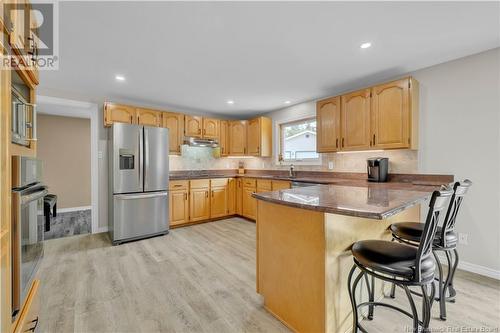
column 139, row 215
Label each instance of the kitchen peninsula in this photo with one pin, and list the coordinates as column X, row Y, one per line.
column 304, row 237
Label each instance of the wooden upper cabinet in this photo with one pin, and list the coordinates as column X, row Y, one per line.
column 224, row 138
column 175, row 124
column 193, row 126
column 391, row 115
column 238, row 137
column 328, row 125
column 211, row 128
column 355, row 118
column 17, row 37
column 148, row 117
column 259, row 137
column 116, row 113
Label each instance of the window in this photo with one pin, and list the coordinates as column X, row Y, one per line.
column 298, row 141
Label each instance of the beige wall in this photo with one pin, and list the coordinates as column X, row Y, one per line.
column 64, row 148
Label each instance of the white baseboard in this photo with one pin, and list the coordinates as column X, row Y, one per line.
column 101, row 229
column 473, row 268
column 73, row 209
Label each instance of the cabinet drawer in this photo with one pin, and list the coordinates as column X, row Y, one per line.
column 178, row 185
column 249, row 182
column 264, row 185
column 199, row 183
column 280, row 185
column 28, row 318
column 218, row 182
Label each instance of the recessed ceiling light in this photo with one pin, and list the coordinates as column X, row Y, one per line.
column 120, row 78
column 287, row 102
column 230, row 102
column 365, row 45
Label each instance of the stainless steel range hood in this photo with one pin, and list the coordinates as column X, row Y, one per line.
column 197, row 142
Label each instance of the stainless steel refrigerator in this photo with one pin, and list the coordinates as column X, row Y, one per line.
column 138, row 182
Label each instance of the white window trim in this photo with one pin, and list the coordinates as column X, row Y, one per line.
column 278, row 146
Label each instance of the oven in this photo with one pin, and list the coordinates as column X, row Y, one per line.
column 28, row 226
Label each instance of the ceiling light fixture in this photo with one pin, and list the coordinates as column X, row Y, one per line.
column 287, row 102
column 230, row 102
column 365, row 45
column 120, row 78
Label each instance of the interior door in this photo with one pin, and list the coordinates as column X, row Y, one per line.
column 155, row 159
column 127, row 158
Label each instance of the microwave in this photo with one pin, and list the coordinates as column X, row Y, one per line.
column 23, row 113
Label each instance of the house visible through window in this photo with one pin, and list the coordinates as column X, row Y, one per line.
column 298, row 141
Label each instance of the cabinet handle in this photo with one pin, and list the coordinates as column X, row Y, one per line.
column 337, row 143
column 374, row 139
column 343, row 143
column 204, row 131
column 206, row 194
column 212, row 194
column 199, row 130
column 185, row 196
column 131, row 119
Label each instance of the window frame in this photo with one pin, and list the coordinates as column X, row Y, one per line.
column 280, row 156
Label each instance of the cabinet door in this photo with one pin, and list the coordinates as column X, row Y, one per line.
column 328, row 125
column 193, row 126
column 249, row 204
column 175, row 124
column 239, row 196
column 224, row 138
column 238, row 137
column 179, row 207
column 211, row 128
column 116, row 113
column 148, row 117
column 231, row 196
column 218, row 202
column 280, row 185
column 253, row 137
column 391, row 115
column 199, row 204
column 356, row 120
column 17, row 37
column 264, row 185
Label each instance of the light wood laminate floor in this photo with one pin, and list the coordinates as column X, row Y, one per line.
column 196, row 279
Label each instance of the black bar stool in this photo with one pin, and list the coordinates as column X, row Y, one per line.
column 401, row 264
column 445, row 240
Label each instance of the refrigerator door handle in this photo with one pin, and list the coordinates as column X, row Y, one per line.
column 140, row 196
column 141, row 158
column 146, row 157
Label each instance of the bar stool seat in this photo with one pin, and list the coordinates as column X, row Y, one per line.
column 412, row 231
column 392, row 258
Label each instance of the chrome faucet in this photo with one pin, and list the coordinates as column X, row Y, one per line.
column 291, row 172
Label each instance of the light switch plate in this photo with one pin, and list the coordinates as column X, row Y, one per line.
column 99, row 154
column 330, row 165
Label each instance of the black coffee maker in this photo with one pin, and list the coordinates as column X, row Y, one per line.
column 377, row 168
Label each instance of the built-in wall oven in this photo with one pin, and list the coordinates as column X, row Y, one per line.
column 23, row 112
column 28, row 225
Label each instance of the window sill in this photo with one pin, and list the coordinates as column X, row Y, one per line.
column 318, row 162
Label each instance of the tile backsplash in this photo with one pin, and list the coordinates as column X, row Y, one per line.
column 199, row 158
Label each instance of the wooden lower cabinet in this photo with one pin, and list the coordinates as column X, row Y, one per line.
column 239, row 196
column 199, row 204
column 27, row 320
column 218, row 201
column 179, row 207
column 264, row 185
column 231, row 196
column 280, row 185
column 249, row 203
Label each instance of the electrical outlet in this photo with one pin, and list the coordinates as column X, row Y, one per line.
column 463, row 239
column 99, row 154
column 330, row 165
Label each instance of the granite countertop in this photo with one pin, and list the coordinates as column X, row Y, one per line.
column 374, row 201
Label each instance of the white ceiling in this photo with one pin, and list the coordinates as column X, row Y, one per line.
column 196, row 55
